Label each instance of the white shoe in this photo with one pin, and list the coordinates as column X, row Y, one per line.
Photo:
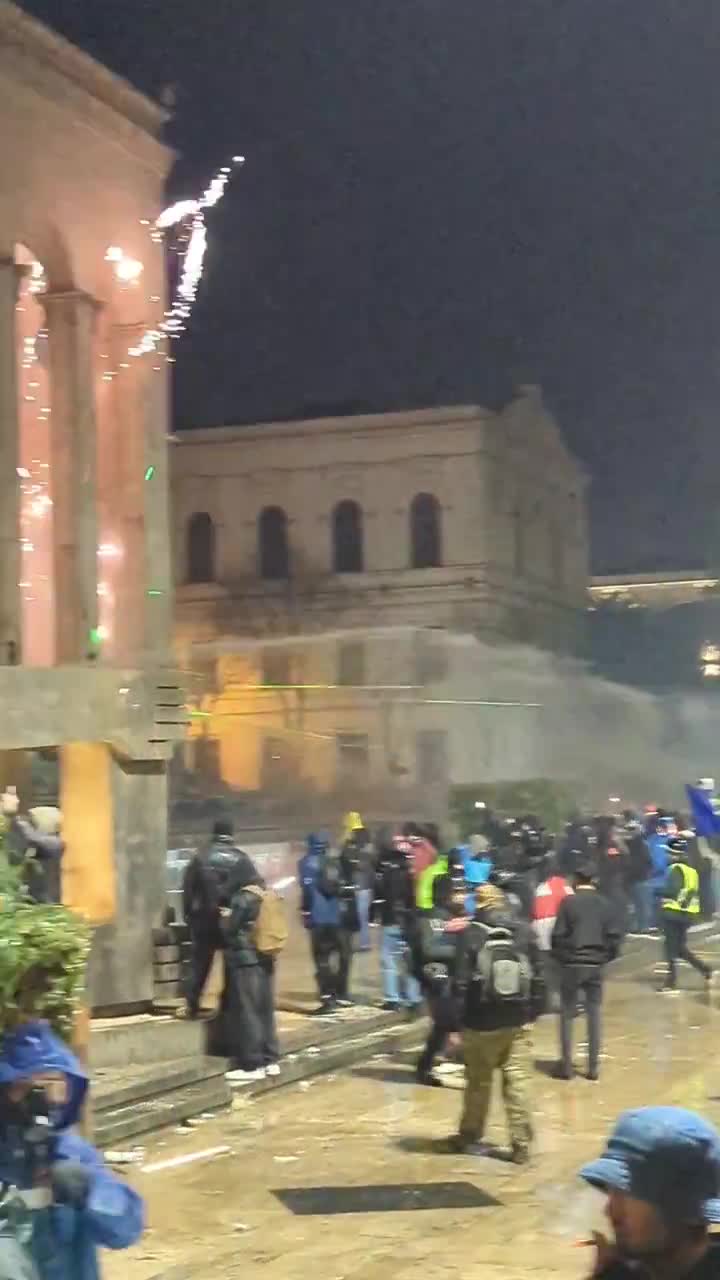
column 273, row 1069
column 449, row 1068
column 244, row 1077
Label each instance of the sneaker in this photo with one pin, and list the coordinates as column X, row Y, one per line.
column 668, row 991
column 327, row 1006
column 390, row 1006
column 272, row 1069
column 448, row 1068
column 244, row 1077
column 427, row 1078
column 344, row 1002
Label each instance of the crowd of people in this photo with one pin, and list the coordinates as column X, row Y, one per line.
column 486, row 936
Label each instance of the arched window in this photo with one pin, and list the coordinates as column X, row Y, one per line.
column 273, row 548
column 200, row 548
column 347, row 534
column 425, row 533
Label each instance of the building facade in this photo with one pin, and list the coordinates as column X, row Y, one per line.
column 85, row 580
column 339, row 581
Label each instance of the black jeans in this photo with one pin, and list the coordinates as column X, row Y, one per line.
column 270, row 1049
column 205, row 943
column 584, row 981
column 332, row 953
column 443, row 1012
column 675, row 929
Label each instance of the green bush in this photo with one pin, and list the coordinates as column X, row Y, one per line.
column 43, row 953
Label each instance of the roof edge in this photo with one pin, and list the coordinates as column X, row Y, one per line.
column 81, row 68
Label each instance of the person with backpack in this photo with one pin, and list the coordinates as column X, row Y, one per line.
column 247, row 1007
column 585, row 938
column 393, row 906
column 499, row 991
column 329, row 913
column 205, row 886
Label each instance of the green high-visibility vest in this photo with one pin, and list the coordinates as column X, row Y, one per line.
column 426, row 883
column 688, row 901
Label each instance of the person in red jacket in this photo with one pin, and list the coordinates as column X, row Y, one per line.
column 549, row 895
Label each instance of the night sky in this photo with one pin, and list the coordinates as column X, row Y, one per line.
column 445, row 198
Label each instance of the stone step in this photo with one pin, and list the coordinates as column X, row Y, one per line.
column 117, row 1125
column 116, row 1088
column 144, row 1039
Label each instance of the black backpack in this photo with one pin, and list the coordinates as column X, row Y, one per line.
column 329, row 877
column 502, row 971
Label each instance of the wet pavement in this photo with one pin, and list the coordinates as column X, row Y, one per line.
column 345, row 1176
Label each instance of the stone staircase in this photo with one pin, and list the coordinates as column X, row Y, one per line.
column 150, row 1072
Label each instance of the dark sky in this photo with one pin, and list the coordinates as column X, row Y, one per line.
column 445, row 198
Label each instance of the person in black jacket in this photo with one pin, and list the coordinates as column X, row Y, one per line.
column 439, row 933
column 205, row 886
column 394, row 907
column 499, row 989
column 246, row 1010
column 586, row 937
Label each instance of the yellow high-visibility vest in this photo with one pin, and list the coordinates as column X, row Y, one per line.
column 688, row 901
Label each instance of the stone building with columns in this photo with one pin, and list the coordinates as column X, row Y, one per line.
column 340, row 584
column 85, row 581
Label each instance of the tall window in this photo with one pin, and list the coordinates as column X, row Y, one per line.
column 200, row 548
column 273, row 548
column 425, row 534
column 347, row 534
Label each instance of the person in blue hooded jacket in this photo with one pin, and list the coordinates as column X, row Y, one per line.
column 329, row 912
column 64, row 1202
column 657, row 842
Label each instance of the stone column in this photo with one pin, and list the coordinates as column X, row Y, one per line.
column 10, row 609
column 71, row 325
column 141, row 451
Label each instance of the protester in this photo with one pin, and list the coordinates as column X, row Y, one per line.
column 424, row 843
column 34, row 845
column 204, row 886
column 499, row 991
column 440, row 932
column 393, row 907
column 54, row 1183
column 660, row 1172
column 247, row 1010
column 661, row 829
column 548, row 896
column 680, row 908
column 611, row 859
column 330, row 914
column 360, row 853
column 638, row 872
column 585, row 938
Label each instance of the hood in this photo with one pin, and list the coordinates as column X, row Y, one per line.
column 317, row 842
column 33, row 1048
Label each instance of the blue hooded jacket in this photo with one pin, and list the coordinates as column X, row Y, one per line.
column 317, row 909
column 64, row 1237
column 660, row 856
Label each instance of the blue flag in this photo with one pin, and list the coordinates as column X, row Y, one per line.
column 705, row 820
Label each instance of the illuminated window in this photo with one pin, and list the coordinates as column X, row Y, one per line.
column 710, row 661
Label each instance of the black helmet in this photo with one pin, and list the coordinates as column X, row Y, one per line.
column 678, row 846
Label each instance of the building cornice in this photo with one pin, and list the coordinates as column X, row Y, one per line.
column 48, row 63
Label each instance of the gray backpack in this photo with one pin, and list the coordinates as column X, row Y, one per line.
column 502, row 971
